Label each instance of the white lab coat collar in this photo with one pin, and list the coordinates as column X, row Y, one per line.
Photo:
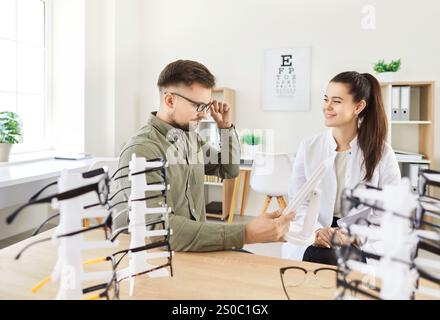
column 333, row 143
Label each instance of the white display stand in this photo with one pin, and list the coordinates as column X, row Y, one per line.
column 309, row 192
column 139, row 261
column 305, row 236
column 398, row 280
column 68, row 269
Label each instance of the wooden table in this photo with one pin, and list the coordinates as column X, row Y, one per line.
column 214, row 275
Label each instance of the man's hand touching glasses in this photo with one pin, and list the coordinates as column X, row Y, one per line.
column 222, row 114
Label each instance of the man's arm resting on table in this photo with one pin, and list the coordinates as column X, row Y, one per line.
column 190, row 235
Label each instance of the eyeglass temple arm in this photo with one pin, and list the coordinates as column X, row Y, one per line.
column 93, row 173
column 120, row 230
column 35, row 196
column 31, row 245
column 88, row 174
column 117, row 171
column 38, row 229
column 424, row 274
column 117, row 192
column 126, row 167
column 428, row 247
column 347, row 285
column 105, row 224
column 17, row 211
column 61, row 196
column 142, row 248
column 117, row 204
column 43, row 282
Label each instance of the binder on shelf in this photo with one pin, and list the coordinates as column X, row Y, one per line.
column 395, row 104
column 431, row 177
column 405, row 99
column 412, row 172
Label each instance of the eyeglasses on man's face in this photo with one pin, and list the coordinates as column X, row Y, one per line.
column 293, row 277
column 200, row 106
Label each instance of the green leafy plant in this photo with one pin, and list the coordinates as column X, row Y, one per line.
column 9, row 127
column 252, row 139
column 380, row 66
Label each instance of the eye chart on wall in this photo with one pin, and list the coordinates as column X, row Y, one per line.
column 286, row 79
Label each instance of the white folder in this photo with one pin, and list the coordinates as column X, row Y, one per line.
column 395, row 104
column 405, row 98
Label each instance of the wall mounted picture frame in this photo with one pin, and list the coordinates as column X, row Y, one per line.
column 286, row 79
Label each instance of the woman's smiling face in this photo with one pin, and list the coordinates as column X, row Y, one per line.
column 339, row 108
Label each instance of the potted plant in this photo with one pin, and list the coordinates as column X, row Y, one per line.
column 252, row 144
column 386, row 71
column 9, row 133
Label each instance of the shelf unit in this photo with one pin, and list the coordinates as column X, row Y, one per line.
column 411, row 122
column 417, row 134
column 209, row 131
column 216, row 184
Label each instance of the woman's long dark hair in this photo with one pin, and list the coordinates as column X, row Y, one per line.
column 373, row 127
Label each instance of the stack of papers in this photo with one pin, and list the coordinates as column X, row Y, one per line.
column 408, row 156
column 73, row 156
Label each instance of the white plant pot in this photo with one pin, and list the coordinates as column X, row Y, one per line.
column 386, row 76
column 249, row 151
column 5, row 150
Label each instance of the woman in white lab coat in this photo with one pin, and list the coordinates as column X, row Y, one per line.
column 354, row 112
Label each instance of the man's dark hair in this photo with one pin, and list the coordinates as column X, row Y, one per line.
column 185, row 72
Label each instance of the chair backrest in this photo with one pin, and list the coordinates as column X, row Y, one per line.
column 270, row 173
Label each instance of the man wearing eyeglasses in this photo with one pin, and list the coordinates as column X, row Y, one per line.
column 185, row 89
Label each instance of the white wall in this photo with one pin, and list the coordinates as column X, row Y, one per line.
column 67, row 101
column 229, row 37
column 128, row 86
column 96, row 74
column 112, row 74
column 114, row 50
column 99, row 119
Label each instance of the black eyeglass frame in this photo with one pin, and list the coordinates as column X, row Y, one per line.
column 101, row 187
column 314, row 271
column 200, row 106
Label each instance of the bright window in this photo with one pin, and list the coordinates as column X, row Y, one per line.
column 23, row 68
